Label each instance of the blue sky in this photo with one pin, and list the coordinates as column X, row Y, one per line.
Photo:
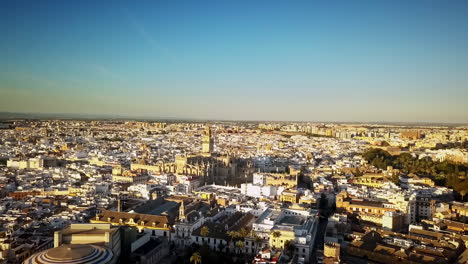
column 251, row 60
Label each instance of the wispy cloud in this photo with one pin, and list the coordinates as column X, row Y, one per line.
column 147, row 36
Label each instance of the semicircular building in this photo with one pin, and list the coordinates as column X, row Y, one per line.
column 73, row 254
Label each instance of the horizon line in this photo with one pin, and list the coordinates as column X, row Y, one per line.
column 101, row 116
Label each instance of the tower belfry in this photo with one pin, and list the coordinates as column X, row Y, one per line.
column 207, row 141
column 182, row 211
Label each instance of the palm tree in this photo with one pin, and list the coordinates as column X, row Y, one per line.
column 204, row 231
column 233, row 234
column 239, row 245
column 195, row 258
column 243, row 232
column 276, row 234
column 257, row 240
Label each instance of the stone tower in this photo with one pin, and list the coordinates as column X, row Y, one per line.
column 207, row 141
column 182, row 211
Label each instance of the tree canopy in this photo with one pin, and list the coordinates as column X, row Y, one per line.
column 445, row 173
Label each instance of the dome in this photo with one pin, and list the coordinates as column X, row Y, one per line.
column 77, row 254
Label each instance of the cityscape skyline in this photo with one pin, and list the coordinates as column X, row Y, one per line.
column 231, row 192
column 233, row 132
column 12, row 116
column 366, row 62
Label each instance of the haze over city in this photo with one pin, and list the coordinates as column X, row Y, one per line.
column 237, row 60
column 233, row 132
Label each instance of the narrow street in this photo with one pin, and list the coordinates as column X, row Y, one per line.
column 322, row 227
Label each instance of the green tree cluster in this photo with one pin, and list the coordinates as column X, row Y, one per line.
column 445, row 173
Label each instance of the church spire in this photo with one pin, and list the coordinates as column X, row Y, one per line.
column 182, row 211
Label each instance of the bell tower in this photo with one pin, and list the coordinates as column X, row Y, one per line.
column 207, row 141
column 182, row 211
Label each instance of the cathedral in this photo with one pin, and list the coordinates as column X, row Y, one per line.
column 211, row 167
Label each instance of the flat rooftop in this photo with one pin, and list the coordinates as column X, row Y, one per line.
column 88, row 229
column 292, row 220
column 268, row 214
column 157, row 209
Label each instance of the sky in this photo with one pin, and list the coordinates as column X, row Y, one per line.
column 404, row 61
